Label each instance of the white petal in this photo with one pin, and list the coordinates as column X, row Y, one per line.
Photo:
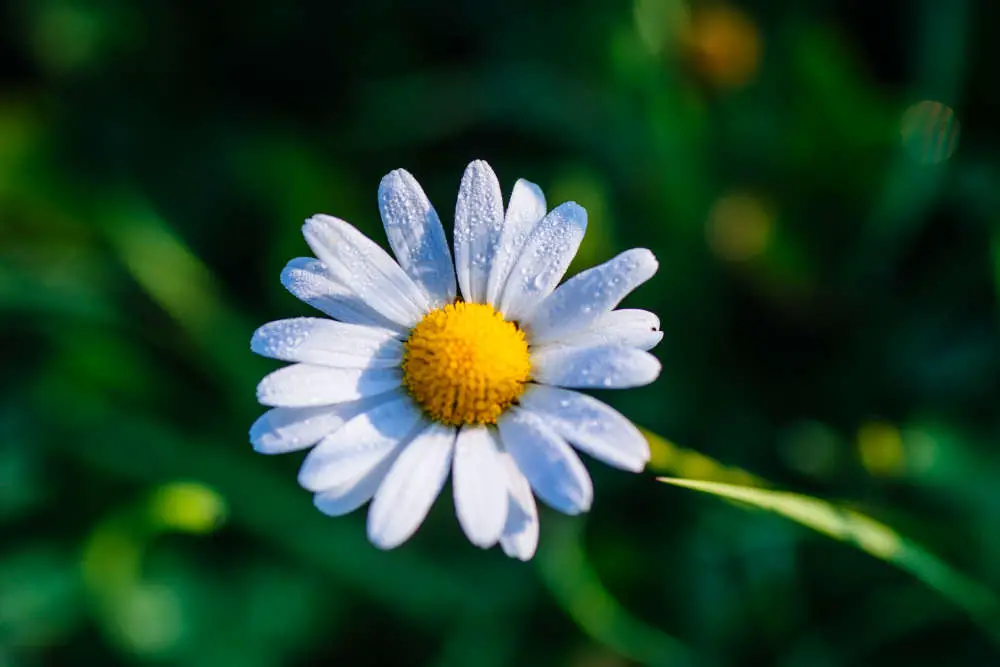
column 589, row 425
column 478, row 221
column 352, row 494
column 411, row 486
column 308, row 280
column 417, row 238
column 626, row 327
column 594, row 367
column 305, row 385
column 360, row 444
column 480, row 485
column 544, row 259
column 328, row 343
column 583, row 298
column 520, row 534
column 550, row 465
column 281, row 430
column 525, row 210
column 366, row 269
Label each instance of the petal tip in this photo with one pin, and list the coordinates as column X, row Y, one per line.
column 392, row 181
column 635, row 466
column 259, row 445
column 480, row 169
column 262, row 392
column 483, row 543
column 257, row 340
column 648, row 260
column 317, row 224
column 307, row 478
column 655, row 339
column 522, row 550
column 479, row 163
column 573, row 213
column 380, row 540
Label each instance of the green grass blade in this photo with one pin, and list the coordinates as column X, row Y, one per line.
column 870, row 536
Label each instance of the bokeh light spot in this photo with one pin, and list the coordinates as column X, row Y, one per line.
column 811, row 447
column 930, row 132
column 188, row 507
column 111, row 558
column 880, row 447
column 723, row 45
column 922, row 450
column 739, row 227
column 66, row 37
column 148, row 620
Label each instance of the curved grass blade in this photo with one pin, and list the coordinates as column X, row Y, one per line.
column 870, row 536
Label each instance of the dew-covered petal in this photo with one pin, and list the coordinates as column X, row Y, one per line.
column 417, row 238
column 305, row 385
column 520, row 533
column 480, row 485
column 281, row 430
column 575, row 304
column 360, row 444
column 627, row 327
column 411, row 486
column 328, row 343
column 355, row 492
column 543, row 261
column 550, row 465
column 525, row 209
column 307, row 279
column 589, row 425
column 366, row 269
column 478, row 221
column 594, row 367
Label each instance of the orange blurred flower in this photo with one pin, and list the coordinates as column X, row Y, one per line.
column 723, row 45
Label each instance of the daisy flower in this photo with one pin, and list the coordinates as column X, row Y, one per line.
column 429, row 368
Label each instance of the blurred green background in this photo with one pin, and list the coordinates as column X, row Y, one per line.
column 820, row 181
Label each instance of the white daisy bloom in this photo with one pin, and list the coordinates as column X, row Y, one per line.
column 429, row 368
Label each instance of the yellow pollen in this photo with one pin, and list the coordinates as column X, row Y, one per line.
column 465, row 364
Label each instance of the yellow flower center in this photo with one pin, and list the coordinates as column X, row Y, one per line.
column 465, row 364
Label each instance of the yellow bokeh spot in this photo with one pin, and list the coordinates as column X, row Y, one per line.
column 880, row 446
column 465, row 364
column 739, row 227
column 724, row 45
column 187, row 507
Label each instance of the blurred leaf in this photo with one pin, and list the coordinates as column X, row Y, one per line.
column 871, row 537
column 23, row 486
column 563, row 566
column 40, row 600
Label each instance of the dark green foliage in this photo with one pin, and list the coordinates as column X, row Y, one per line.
column 827, row 287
